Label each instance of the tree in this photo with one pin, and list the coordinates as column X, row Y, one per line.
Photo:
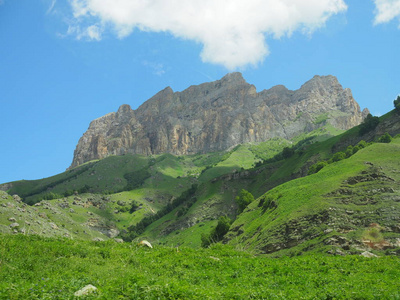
column 386, row 138
column 217, row 234
column 287, row 152
column 369, row 123
column 317, row 167
column 397, row 104
column 361, row 144
column 243, row 199
column 338, row 156
column 349, row 151
column 134, row 207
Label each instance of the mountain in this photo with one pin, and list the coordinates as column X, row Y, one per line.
column 217, row 116
column 348, row 207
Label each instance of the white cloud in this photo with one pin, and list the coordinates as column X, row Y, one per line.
column 90, row 33
column 386, row 11
column 157, row 68
column 51, row 7
column 232, row 32
column 93, row 32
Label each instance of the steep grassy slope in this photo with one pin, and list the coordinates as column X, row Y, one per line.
column 110, row 175
column 58, row 218
column 350, row 205
column 83, row 196
column 215, row 197
column 126, row 271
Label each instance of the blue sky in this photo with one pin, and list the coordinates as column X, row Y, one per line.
column 64, row 63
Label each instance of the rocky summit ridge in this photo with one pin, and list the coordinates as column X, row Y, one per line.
column 218, row 115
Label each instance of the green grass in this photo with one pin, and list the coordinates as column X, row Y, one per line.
column 126, row 271
column 300, row 200
column 270, row 148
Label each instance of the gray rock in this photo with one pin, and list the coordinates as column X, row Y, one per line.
column 368, row 254
column 85, row 290
column 53, row 226
column 97, row 239
column 43, row 215
column 217, row 116
column 14, row 225
column 16, row 198
column 112, row 233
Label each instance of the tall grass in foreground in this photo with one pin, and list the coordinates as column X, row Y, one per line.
column 33, row 267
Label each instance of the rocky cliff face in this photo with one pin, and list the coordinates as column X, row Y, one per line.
column 217, row 116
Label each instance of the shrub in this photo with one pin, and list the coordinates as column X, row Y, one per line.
column 356, row 149
column 287, row 152
column 243, row 199
column 362, row 144
column 316, row 167
column 397, row 104
column 349, row 151
column 368, row 124
column 386, row 138
column 124, row 209
column 136, row 179
column 134, row 206
column 268, row 203
column 338, row 156
column 217, row 233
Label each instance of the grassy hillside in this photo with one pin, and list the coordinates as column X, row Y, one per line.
column 216, row 196
column 301, row 205
column 104, row 191
column 350, row 205
column 134, row 195
column 127, row 271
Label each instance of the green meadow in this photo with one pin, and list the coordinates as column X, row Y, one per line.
column 34, row 267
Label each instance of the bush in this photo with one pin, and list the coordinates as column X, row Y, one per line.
column 134, row 206
column 123, row 209
column 287, row 152
column 269, row 202
column 356, row 149
column 243, row 199
column 397, row 104
column 51, row 196
column 368, row 124
column 317, row 167
column 362, row 144
column 349, row 151
column 136, row 179
column 386, row 138
column 338, row 156
column 217, row 233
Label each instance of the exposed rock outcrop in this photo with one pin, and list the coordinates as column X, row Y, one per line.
column 217, row 116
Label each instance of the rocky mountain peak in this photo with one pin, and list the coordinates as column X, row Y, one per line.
column 233, row 78
column 216, row 116
column 124, row 108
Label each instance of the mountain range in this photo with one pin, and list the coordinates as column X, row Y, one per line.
column 217, row 116
column 322, row 174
